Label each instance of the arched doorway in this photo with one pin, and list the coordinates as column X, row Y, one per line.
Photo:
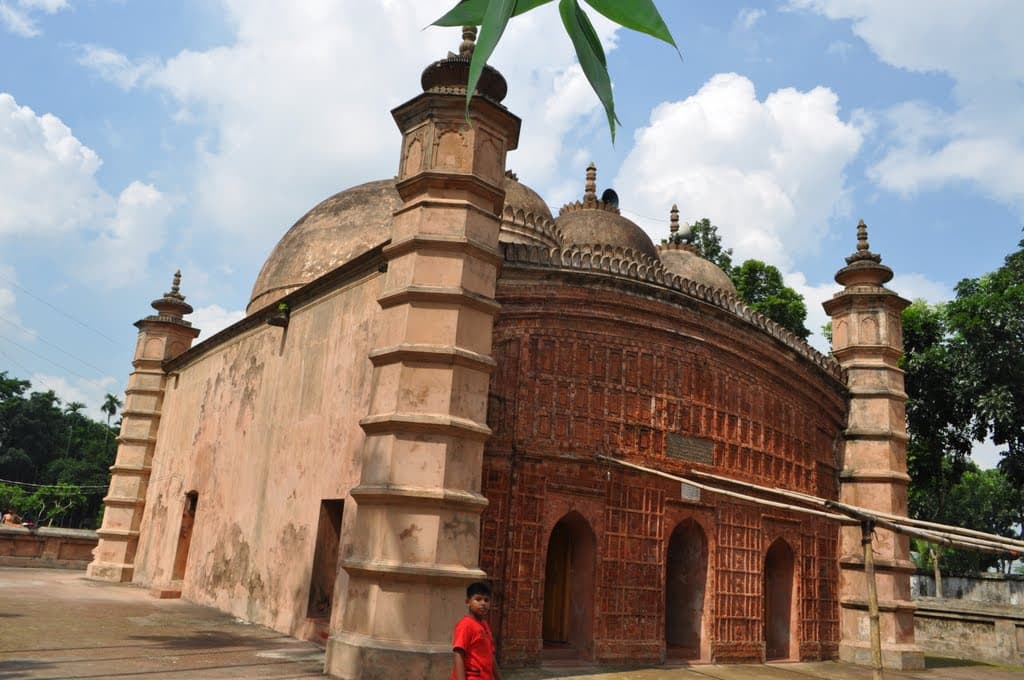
column 569, row 582
column 779, row 626
column 686, row 572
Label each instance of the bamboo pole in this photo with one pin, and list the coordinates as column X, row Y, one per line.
column 1008, row 544
column 867, row 528
column 724, row 492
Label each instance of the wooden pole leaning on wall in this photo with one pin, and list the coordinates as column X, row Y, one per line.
column 867, row 528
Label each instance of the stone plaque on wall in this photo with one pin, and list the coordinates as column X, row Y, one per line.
column 690, row 448
column 689, row 492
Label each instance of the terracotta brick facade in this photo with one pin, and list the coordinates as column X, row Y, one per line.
column 587, row 367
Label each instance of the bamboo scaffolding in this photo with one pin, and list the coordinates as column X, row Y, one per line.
column 725, row 492
column 932, row 532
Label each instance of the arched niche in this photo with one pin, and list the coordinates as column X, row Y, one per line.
column 569, row 584
column 780, row 602
column 686, row 576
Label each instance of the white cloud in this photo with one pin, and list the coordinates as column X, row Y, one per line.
column 9, row 305
column 19, row 16
column 47, row 180
column 114, row 66
column 89, row 392
column 747, row 17
column 768, row 173
column 986, row 454
column 980, row 140
column 814, row 296
column 213, row 318
column 914, row 286
column 134, row 232
column 296, row 106
column 48, row 188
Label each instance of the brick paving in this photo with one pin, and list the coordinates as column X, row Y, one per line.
column 56, row 624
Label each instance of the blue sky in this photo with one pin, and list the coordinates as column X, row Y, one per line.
column 137, row 138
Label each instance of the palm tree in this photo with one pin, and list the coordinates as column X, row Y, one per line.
column 110, row 406
column 74, row 407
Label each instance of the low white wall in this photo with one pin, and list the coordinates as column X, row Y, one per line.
column 986, row 588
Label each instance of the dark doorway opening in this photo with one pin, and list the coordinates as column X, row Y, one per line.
column 569, row 582
column 188, row 520
column 778, row 601
column 686, row 571
column 325, row 559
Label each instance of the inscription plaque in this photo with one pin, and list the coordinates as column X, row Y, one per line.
column 690, row 448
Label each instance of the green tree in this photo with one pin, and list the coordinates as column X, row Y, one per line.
column 984, row 500
column 987, row 320
column 58, row 448
column 703, row 236
column 761, row 286
column 493, row 15
column 938, row 416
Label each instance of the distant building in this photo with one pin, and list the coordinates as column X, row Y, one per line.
column 429, row 367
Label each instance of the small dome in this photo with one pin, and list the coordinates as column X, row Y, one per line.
column 587, row 227
column 593, row 221
column 683, row 261
column 526, row 217
column 335, row 231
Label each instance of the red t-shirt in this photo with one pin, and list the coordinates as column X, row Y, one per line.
column 473, row 637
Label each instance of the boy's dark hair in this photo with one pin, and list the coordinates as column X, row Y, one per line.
column 478, row 588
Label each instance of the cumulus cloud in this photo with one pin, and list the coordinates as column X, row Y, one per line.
column 769, row 174
column 48, row 177
column 295, row 106
column 48, row 188
column 130, row 235
column 213, row 318
column 980, row 139
column 914, row 286
column 19, row 16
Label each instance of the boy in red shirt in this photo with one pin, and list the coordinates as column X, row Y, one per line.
column 473, row 644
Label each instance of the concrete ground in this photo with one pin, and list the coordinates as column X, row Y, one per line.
column 57, row 624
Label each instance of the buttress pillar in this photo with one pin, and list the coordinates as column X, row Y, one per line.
column 162, row 336
column 867, row 341
column 415, row 544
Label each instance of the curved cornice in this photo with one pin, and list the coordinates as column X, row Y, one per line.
column 628, row 264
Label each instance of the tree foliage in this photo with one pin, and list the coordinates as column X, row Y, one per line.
column 758, row 284
column 492, row 16
column 58, row 457
column 964, row 372
column 987, row 318
column 762, row 287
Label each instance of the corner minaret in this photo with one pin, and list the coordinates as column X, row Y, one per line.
column 867, row 340
column 415, row 542
column 162, row 336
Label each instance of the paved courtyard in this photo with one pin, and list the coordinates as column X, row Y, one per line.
column 57, row 624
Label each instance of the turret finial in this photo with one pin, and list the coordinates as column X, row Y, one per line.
column 468, row 41
column 862, row 237
column 674, row 219
column 176, row 283
column 590, row 188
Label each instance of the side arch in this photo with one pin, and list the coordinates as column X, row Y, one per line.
column 570, row 579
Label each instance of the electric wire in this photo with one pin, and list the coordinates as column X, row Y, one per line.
column 59, row 310
column 61, row 366
column 55, row 346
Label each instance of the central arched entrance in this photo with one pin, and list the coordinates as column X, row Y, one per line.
column 569, row 581
column 686, row 570
column 778, row 601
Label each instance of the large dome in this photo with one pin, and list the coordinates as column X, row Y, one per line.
column 335, row 231
column 355, row 220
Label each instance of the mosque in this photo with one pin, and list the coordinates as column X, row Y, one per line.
column 439, row 381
